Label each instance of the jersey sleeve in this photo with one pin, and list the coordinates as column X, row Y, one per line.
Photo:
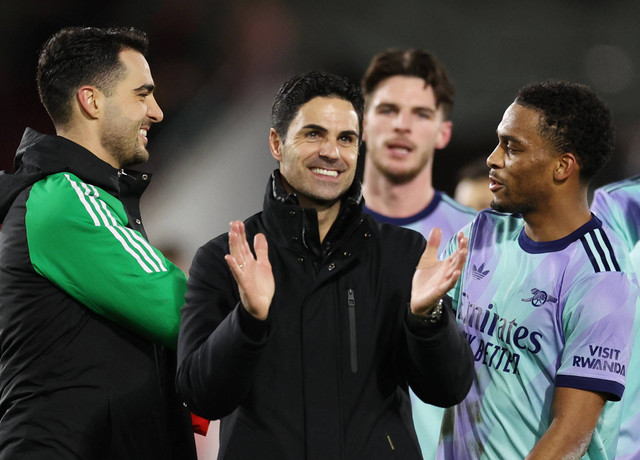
column 597, row 324
column 78, row 239
column 613, row 213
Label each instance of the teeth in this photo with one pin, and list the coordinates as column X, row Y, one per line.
column 325, row 172
column 143, row 132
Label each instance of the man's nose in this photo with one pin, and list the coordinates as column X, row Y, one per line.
column 330, row 149
column 496, row 158
column 154, row 112
column 402, row 122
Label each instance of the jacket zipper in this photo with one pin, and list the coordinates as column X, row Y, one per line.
column 351, row 302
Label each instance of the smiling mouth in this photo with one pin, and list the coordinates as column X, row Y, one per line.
column 142, row 132
column 325, row 172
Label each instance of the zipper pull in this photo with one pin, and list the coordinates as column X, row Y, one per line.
column 351, row 298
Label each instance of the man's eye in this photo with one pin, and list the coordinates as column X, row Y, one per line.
column 385, row 110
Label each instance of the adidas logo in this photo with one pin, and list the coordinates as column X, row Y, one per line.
column 479, row 272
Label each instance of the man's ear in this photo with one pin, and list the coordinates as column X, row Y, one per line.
column 275, row 145
column 444, row 135
column 90, row 101
column 566, row 165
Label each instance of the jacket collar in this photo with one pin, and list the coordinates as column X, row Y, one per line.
column 297, row 227
column 41, row 155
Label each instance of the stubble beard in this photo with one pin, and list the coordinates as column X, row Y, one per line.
column 399, row 176
column 122, row 143
column 521, row 208
column 319, row 201
column 127, row 159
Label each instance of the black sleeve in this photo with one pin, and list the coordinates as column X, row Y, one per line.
column 220, row 344
column 440, row 362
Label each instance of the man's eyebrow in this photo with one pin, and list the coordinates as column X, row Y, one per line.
column 148, row 87
column 424, row 108
column 386, row 105
column 349, row 132
column 508, row 138
column 316, row 127
column 415, row 108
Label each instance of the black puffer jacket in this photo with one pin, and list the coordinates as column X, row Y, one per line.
column 74, row 384
column 325, row 377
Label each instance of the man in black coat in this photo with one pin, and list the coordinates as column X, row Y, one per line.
column 89, row 310
column 305, row 346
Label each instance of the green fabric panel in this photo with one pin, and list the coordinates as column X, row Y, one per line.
column 78, row 240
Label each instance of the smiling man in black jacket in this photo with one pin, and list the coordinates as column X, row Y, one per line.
column 305, row 344
column 89, row 310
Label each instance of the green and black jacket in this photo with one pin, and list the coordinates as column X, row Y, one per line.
column 89, row 313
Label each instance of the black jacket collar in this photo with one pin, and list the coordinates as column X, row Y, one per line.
column 297, row 227
column 40, row 155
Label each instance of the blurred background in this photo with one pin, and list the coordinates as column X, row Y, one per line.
column 217, row 66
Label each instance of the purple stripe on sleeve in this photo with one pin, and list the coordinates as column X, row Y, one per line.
column 614, row 390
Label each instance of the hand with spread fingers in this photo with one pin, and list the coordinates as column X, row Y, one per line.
column 433, row 278
column 253, row 274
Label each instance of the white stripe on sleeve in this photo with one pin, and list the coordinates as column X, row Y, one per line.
column 91, row 193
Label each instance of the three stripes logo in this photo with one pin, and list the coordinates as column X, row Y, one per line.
column 132, row 242
column 599, row 250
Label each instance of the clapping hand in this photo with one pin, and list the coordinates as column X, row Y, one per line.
column 433, row 278
column 253, row 274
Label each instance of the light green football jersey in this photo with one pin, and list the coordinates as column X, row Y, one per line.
column 538, row 315
column 618, row 206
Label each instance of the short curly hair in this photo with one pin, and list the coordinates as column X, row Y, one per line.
column 574, row 119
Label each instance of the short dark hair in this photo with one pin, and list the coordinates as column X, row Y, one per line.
column 300, row 89
column 77, row 56
column 574, row 119
column 411, row 63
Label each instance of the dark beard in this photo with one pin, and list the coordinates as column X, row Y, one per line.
column 125, row 153
column 139, row 156
column 511, row 208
